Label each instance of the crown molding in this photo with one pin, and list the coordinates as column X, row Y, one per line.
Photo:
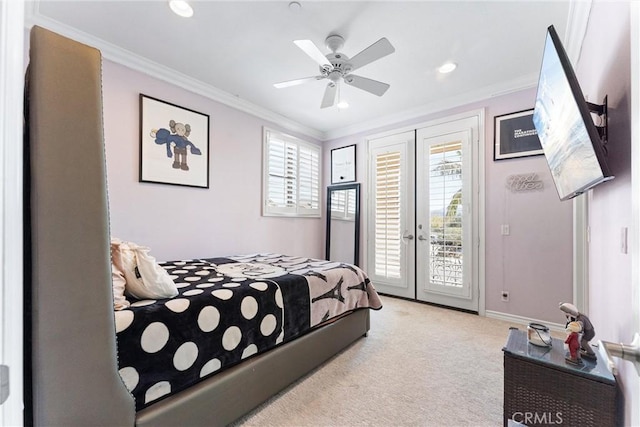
column 136, row 62
column 527, row 82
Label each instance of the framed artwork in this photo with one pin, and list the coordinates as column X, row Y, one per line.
column 174, row 144
column 343, row 164
column 515, row 136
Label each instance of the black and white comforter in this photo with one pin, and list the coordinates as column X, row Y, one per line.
column 227, row 310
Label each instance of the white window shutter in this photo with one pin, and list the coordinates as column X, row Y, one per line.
column 309, row 179
column 388, row 233
column 291, row 181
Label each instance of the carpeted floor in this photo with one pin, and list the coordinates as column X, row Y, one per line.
column 420, row 366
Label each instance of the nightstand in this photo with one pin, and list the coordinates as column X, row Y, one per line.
column 540, row 388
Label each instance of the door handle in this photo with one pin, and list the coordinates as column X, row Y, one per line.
column 629, row 352
column 421, row 237
column 407, row 236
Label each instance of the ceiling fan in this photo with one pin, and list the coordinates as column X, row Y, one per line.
column 337, row 66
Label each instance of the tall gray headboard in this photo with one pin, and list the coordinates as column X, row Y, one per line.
column 74, row 374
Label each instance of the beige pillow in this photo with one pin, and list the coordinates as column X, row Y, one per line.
column 117, row 278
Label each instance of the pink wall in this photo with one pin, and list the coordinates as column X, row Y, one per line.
column 183, row 222
column 604, row 69
column 534, row 263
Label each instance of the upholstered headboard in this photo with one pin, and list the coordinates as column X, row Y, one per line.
column 74, row 376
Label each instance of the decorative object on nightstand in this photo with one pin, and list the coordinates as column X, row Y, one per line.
column 573, row 341
column 538, row 334
column 588, row 332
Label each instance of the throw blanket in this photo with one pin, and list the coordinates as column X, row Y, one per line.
column 229, row 309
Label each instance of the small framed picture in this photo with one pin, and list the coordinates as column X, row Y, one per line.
column 343, row 164
column 515, row 136
column 174, row 144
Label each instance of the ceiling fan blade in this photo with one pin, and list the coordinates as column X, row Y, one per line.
column 372, row 86
column 377, row 50
column 329, row 95
column 312, row 50
column 297, row 81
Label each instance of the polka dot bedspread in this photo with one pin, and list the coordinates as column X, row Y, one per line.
column 227, row 310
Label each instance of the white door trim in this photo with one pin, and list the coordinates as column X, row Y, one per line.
column 581, row 252
column 11, row 299
column 635, row 178
column 576, row 30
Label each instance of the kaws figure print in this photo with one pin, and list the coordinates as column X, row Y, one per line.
column 176, row 137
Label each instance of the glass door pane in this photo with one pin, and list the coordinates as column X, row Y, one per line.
column 445, row 213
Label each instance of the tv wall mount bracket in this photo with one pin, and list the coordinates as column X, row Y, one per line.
column 602, row 127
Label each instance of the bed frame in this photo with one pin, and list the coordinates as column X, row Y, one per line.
column 70, row 341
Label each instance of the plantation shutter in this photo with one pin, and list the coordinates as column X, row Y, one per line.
column 282, row 174
column 292, row 176
column 388, row 232
column 309, row 182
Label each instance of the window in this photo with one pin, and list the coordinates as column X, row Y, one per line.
column 291, row 181
column 446, row 169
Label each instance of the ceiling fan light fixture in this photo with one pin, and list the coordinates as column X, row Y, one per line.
column 337, row 67
column 181, row 8
column 447, row 67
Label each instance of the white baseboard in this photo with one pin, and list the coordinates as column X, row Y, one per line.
column 520, row 320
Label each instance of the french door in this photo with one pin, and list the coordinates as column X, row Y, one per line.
column 423, row 226
column 391, row 222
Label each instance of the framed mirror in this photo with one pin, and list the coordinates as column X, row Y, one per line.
column 343, row 223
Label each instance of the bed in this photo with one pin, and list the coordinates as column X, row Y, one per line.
column 79, row 372
column 227, row 310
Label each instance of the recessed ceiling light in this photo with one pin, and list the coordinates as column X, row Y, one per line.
column 447, row 67
column 181, row 8
column 295, row 6
column 343, row 104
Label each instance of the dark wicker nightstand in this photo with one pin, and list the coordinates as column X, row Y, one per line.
column 541, row 389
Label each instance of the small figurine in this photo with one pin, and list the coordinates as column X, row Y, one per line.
column 573, row 341
column 573, row 315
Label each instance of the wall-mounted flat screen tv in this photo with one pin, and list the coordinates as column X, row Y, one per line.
column 569, row 138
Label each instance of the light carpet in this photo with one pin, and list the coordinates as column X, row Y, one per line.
column 420, row 365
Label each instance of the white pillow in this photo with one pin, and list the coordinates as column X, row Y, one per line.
column 145, row 279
